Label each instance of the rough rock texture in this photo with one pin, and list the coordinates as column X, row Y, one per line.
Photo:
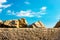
column 29, row 34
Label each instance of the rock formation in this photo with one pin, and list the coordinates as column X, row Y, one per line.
column 23, row 23
column 12, row 23
column 57, row 25
column 37, row 25
column 20, row 23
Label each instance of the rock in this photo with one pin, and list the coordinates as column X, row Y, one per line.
column 18, row 23
column 23, row 23
column 38, row 25
column 7, row 22
column 57, row 24
column 12, row 23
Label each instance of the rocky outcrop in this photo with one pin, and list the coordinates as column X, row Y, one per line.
column 12, row 23
column 23, row 23
column 38, row 24
column 57, row 24
column 20, row 23
column 7, row 22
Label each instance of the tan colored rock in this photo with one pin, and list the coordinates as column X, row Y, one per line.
column 38, row 25
column 33, row 26
column 18, row 23
column 23, row 23
column 12, row 23
column 7, row 22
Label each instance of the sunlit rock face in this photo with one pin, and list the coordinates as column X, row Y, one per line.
column 12, row 23
column 23, row 23
column 57, row 24
column 20, row 23
column 7, row 22
column 17, row 23
column 38, row 25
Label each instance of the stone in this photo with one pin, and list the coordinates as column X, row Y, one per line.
column 20, row 23
column 38, row 25
column 23, row 23
column 7, row 22
column 57, row 24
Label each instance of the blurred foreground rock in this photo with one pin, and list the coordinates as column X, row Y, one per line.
column 29, row 34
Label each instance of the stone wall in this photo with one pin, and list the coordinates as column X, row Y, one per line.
column 29, row 33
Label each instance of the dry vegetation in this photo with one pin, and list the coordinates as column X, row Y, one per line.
column 29, row 34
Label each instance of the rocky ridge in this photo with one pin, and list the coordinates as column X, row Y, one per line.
column 20, row 23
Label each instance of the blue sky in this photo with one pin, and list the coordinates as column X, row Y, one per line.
column 47, row 11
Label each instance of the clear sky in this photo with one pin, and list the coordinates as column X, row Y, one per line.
column 47, row 11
